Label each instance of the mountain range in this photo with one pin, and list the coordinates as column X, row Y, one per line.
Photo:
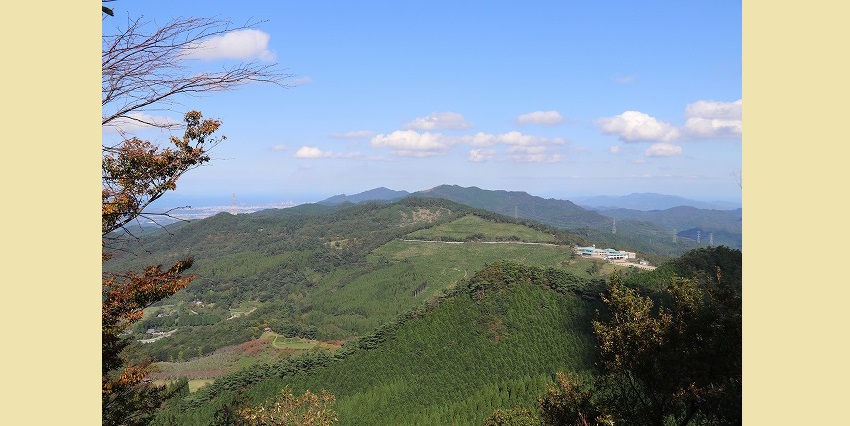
column 649, row 201
column 448, row 303
column 648, row 225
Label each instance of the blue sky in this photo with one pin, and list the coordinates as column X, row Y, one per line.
column 557, row 99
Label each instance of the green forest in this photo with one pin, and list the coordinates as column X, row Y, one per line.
column 422, row 311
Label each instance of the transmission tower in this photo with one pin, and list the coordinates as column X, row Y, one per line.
column 614, row 227
column 233, row 205
column 698, row 236
column 674, row 235
column 516, row 212
column 711, row 238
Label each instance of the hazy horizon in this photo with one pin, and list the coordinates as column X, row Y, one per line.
column 557, row 99
column 246, row 203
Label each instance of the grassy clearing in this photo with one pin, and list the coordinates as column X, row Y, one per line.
column 194, row 384
column 267, row 349
column 152, row 311
column 293, row 343
column 470, row 225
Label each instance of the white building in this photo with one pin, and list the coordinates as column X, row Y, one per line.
column 607, row 254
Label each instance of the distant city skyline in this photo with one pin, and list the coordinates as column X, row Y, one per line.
column 555, row 99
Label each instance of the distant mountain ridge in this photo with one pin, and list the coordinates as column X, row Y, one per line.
column 643, row 230
column 558, row 213
column 649, row 201
column 377, row 194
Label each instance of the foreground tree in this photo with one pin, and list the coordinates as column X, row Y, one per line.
column 675, row 364
column 308, row 409
column 134, row 175
column 570, row 401
column 142, row 70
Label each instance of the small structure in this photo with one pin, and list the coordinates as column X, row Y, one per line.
column 606, row 254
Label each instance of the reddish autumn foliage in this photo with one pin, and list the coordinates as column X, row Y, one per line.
column 136, row 173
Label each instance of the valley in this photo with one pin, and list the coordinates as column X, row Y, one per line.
column 380, row 303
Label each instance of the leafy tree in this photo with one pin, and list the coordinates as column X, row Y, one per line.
column 678, row 363
column 143, row 70
column 570, row 401
column 287, row 409
column 516, row 416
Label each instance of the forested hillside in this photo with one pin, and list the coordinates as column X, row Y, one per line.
column 558, row 213
column 651, row 233
column 491, row 346
column 326, row 273
column 492, row 341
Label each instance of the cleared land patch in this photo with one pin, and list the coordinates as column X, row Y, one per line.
column 471, row 227
column 267, row 349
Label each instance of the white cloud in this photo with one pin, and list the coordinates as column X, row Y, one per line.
column 280, row 148
column 240, row 44
column 705, row 128
column 625, row 79
column 712, row 109
column 510, row 138
column 438, row 121
column 705, row 120
column 357, row 134
column 541, row 117
column 614, row 149
column 139, row 121
column 481, row 155
column 635, row 126
column 663, row 150
column 410, row 143
column 310, row 152
column 710, row 119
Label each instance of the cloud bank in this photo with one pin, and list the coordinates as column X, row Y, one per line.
column 704, row 120
column 240, row 44
column 439, row 121
column 547, row 118
column 635, row 126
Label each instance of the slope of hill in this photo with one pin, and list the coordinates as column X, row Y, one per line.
column 649, row 201
column 328, row 273
column 377, row 194
column 494, row 341
column 652, row 239
column 725, row 225
column 558, row 213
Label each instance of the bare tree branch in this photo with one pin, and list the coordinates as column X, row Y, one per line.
column 141, row 69
column 737, row 175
